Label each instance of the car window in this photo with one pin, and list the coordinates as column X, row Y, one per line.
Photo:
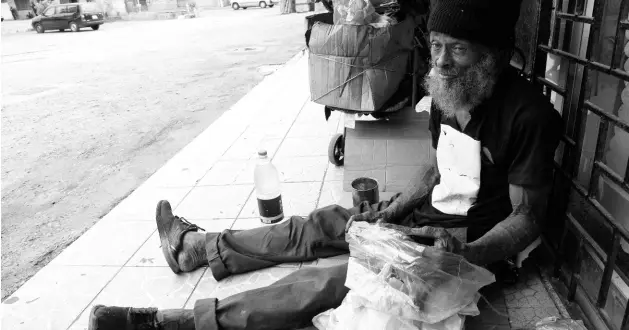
column 50, row 11
column 62, row 10
column 73, row 9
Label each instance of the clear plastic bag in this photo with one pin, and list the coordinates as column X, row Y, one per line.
column 554, row 323
column 360, row 12
column 428, row 285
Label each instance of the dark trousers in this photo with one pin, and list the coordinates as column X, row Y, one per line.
column 294, row 300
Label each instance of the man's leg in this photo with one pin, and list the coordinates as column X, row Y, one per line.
column 289, row 303
column 321, row 234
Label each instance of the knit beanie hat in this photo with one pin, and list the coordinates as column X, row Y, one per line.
column 489, row 22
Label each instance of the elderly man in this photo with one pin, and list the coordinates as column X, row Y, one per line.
column 494, row 137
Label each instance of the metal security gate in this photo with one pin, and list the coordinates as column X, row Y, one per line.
column 580, row 62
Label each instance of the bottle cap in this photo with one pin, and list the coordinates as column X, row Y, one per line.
column 262, row 152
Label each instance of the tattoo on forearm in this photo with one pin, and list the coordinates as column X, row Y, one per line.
column 413, row 195
column 516, row 232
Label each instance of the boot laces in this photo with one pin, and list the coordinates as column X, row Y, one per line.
column 190, row 224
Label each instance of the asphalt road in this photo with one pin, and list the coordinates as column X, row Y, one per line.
column 88, row 116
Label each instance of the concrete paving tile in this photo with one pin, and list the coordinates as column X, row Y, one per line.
column 184, row 172
column 303, row 130
column 54, row 297
column 150, row 254
column 298, row 198
column 333, row 193
column 247, row 148
column 141, row 204
column 302, row 147
column 312, row 113
column 334, row 173
column 302, row 169
column 204, row 289
column 261, row 131
column 144, row 287
column 214, row 202
column 249, row 281
column 229, row 172
column 108, row 243
column 528, row 316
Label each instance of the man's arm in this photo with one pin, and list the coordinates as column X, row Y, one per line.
column 423, row 182
column 516, row 232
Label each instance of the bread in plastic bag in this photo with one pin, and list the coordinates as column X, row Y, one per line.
column 411, row 284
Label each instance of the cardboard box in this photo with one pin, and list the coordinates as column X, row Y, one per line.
column 358, row 67
column 391, row 151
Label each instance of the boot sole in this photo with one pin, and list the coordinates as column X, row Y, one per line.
column 163, row 238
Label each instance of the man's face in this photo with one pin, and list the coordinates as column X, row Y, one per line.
column 462, row 73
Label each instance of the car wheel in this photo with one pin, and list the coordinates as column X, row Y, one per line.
column 74, row 27
column 95, row 27
column 235, row 6
column 39, row 28
column 245, row 7
column 271, row 6
column 262, row 4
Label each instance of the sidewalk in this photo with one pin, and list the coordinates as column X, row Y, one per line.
column 210, row 182
column 10, row 27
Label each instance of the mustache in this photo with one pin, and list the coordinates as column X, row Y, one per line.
column 434, row 70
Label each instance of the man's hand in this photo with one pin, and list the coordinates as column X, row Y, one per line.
column 370, row 217
column 444, row 241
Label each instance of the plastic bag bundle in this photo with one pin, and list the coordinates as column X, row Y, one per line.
column 404, row 283
column 554, row 323
column 366, row 12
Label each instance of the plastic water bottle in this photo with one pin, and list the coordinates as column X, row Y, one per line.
column 267, row 185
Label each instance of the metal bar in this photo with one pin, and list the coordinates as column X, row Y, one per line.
column 560, row 253
column 576, row 18
column 556, row 88
column 601, row 142
column 627, row 173
column 554, row 23
column 607, row 116
column 609, row 270
column 617, row 73
column 576, row 269
column 625, row 319
column 612, row 176
column 621, row 13
column 568, row 140
column 587, row 237
column 595, row 204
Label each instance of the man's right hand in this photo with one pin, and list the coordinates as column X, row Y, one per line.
column 370, row 217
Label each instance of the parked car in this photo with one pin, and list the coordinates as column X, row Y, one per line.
column 244, row 4
column 73, row 16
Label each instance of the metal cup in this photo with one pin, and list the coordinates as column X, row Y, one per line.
column 365, row 189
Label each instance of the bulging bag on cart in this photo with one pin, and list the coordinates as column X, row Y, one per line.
column 358, row 67
column 396, row 283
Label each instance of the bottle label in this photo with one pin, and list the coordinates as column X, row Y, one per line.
column 271, row 210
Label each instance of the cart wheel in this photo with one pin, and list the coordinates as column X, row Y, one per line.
column 336, row 150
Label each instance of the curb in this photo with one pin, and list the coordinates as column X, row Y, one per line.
column 20, row 30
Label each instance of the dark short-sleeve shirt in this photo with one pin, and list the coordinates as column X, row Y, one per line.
column 518, row 131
